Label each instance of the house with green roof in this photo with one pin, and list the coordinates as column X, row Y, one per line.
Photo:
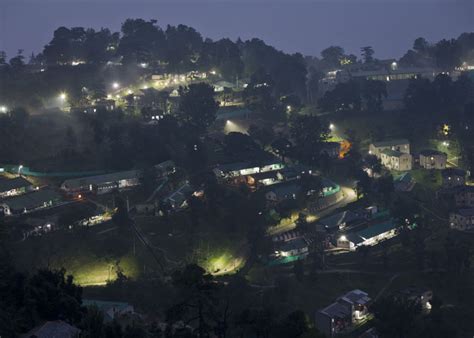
column 368, row 236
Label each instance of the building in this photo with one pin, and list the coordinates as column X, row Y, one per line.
column 178, row 198
column 396, row 160
column 102, row 184
column 464, row 196
column 433, row 159
column 282, row 192
column 369, row 236
column 32, row 201
column 14, row 186
column 53, row 329
column 165, row 168
column 238, row 169
column 341, row 221
column 402, row 146
column 462, row 219
column 111, row 310
column 343, row 314
column 296, row 247
column 453, row 177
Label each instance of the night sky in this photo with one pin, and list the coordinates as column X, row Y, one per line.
column 306, row 26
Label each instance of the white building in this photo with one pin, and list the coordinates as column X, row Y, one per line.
column 402, row 146
column 396, row 160
column 463, row 219
column 433, row 159
column 369, row 236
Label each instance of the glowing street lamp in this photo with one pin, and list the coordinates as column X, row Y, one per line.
column 63, row 96
column 332, row 127
column 19, row 169
column 3, row 109
column 115, row 85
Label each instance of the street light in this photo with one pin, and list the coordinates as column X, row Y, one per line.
column 332, row 127
column 19, row 169
column 3, row 109
column 62, row 96
column 115, row 85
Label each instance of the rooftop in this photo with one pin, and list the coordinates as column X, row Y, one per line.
column 356, row 297
column 453, row 172
column 100, row 179
column 31, row 200
column 7, row 184
column 294, row 244
column 391, row 143
column 431, row 152
column 371, row 231
column 53, row 329
column 392, row 153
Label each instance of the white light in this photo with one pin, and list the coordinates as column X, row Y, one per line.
column 109, row 96
column 332, row 127
column 117, row 96
column 343, row 238
column 3, row 109
column 62, row 96
column 115, row 85
column 143, row 64
column 145, row 87
column 129, row 92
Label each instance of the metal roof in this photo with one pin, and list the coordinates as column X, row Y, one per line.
column 7, row 184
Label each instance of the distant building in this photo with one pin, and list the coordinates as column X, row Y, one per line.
column 53, row 329
column 110, row 309
column 453, row 177
column 32, row 201
column 433, row 159
column 342, row 315
column 102, row 184
column 396, row 160
column 462, row 219
column 402, row 146
column 14, row 186
column 369, row 236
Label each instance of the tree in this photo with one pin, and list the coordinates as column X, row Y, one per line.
column 197, row 293
column 395, row 317
column 298, row 269
column 197, row 106
column 367, row 54
column 308, row 132
column 373, row 92
column 333, row 55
